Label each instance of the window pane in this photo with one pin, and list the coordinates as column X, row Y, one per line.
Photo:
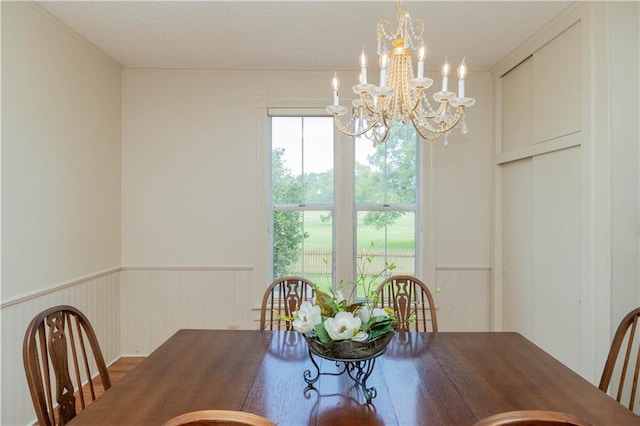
column 286, row 160
column 386, row 174
column 384, row 238
column 369, row 176
column 318, row 160
column 401, row 241
column 317, row 262
column 302, row 245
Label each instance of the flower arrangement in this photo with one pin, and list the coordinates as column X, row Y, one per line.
column 331, row 322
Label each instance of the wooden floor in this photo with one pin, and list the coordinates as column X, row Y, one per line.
column 117, row 370
column 122, row 366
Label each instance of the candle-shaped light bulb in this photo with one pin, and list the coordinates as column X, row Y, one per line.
column 462, row 73
column 422, row 53
column 363, row 67
column 335, row 85
column 384, row 61
column 445, row 75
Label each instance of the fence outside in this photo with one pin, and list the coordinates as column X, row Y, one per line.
column 318, row 262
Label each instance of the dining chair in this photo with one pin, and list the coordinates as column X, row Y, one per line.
column 59, row 339
column 623, row 345
column 532, row 418
column 411, row 301
column 282, row 298
column 219, row 417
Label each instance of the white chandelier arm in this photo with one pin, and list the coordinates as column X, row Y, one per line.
column 371, row 108
column 417, row 102
column 430, row 135
column 441, row 109
column 345, row 131
column 376, row 138
column 444, row 127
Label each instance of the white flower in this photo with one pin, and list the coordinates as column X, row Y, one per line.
column 380, row 312
column 307, row 317
column 365, row 314
column 343, row 326
column 339, row 296
column 361, row 336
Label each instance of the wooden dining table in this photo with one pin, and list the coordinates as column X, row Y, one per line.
column 421, row 379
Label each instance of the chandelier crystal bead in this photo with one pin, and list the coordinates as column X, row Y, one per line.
column 401, row 97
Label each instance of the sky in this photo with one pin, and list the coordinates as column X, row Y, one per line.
column 317, row 134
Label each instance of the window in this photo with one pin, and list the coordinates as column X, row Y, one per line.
column 302, row 197
column 380, row 200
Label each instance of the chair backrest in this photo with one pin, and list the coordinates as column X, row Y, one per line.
column 532, row 418
column 219, row 417
column 411, row 300
column 60, row 351
column 283, row 297
column 623, row 345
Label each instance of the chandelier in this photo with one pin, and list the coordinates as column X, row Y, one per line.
column 401, row 97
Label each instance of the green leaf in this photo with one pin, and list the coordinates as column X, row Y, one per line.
column 322, row 334
column 379, row 331
column 327, row 307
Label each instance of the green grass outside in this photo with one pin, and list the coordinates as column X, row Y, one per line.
column 401, row 233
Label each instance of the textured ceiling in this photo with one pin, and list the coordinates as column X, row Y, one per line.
column 319, row 35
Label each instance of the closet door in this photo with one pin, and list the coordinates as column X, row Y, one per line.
column 556, row 87
column 541, row 193
column 517, row 108
column 517, row 248
column 556, row 254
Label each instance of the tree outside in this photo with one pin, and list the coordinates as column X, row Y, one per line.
column 288, row 231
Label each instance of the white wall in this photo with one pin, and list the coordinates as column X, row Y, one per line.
column 61, row 103
column 623, row 43
column 461, row 207
column 60, row 154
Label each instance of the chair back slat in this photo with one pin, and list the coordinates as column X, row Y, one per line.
column 411, row 301
column 627, row 355
column 58, row 348
column 634, row 387
column 282, row 298
column 624, row 344
column 87, row 370
column 44, row 393
column 61, row 337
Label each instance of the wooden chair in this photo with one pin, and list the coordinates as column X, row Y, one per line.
column 219, row 417
column 532, row 418
column 57, row 339
column 624, row 339
column 411, row 301
column 283, row 296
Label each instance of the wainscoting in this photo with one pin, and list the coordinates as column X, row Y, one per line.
column 464, row 302
column 98, row 296
column 157, row 302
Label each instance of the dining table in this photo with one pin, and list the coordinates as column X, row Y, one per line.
column 443, row 378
